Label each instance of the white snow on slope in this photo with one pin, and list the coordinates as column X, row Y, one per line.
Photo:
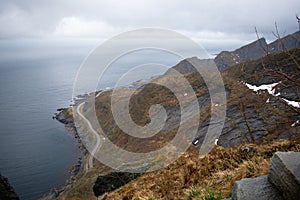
column 295, row 123
column 269, row 87
column 271, row 90
column 292, row 103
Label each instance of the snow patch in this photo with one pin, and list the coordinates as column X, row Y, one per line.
column 295, row 123
column 271, row 90
column 269, row 87
column 292, row 103
column 216, row 141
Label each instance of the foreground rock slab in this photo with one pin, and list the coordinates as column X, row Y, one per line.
column 284, row 174
column 255, row 189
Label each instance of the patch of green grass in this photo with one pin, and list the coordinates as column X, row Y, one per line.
column 193, row 194
column 227, row 177
column 211, row 195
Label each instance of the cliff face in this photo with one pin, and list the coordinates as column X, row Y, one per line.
column 253, row 51
column 289, row 42
column 248, row 52
column 185, row 65
column 6, row 190
column 256, row 50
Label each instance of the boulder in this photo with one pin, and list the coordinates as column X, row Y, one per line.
column 254, row 189
column 284, row 174
column 248, row 149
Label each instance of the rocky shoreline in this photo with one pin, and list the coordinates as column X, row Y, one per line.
column 7, row 192
column 65, row 117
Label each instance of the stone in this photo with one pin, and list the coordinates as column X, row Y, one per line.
column 255, row 189
column 247, row 149
column 284, row 174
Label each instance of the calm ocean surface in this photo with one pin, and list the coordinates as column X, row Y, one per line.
column 36, row 152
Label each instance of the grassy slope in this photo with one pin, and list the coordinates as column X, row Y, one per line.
column 191, row 177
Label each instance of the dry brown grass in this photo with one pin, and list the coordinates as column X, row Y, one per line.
column 193, row 178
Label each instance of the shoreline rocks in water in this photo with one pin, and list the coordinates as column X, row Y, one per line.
column 7, row 192
column 65, row 116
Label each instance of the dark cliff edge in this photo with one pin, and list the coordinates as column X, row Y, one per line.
column 7, row 192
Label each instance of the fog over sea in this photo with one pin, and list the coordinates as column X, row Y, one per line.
column 36, row 78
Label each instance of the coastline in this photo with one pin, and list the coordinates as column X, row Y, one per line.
column 63, row 116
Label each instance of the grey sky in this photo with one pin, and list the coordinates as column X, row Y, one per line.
column 216, row 24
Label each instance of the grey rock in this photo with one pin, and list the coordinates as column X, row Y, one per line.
column 235, row 129
column 284, row 174
column 288, row 42
column 192, row 64
column 256, row 50
column 252, row 51
column 247, row 149
column 255, row 189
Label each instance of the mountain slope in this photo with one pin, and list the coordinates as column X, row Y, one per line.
column 248, row 52
column 251, row 118
column 256, row 50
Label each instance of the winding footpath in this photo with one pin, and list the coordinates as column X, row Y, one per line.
column 91, row 160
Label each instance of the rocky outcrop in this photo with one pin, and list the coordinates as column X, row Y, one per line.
column 284, row 174
column 282, row 181
column 235, row 129
column 185, row 66
column 65, row 116
column 112, row 181
column 288, row 42
column 256, row 50
column 254, row 189
column 6, row 190
column 252, row 51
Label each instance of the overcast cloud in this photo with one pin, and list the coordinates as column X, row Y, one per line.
column 213, row 23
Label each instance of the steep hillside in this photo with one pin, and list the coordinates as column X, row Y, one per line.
column 211, row 177
column 252, row 117
column 248, row 114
